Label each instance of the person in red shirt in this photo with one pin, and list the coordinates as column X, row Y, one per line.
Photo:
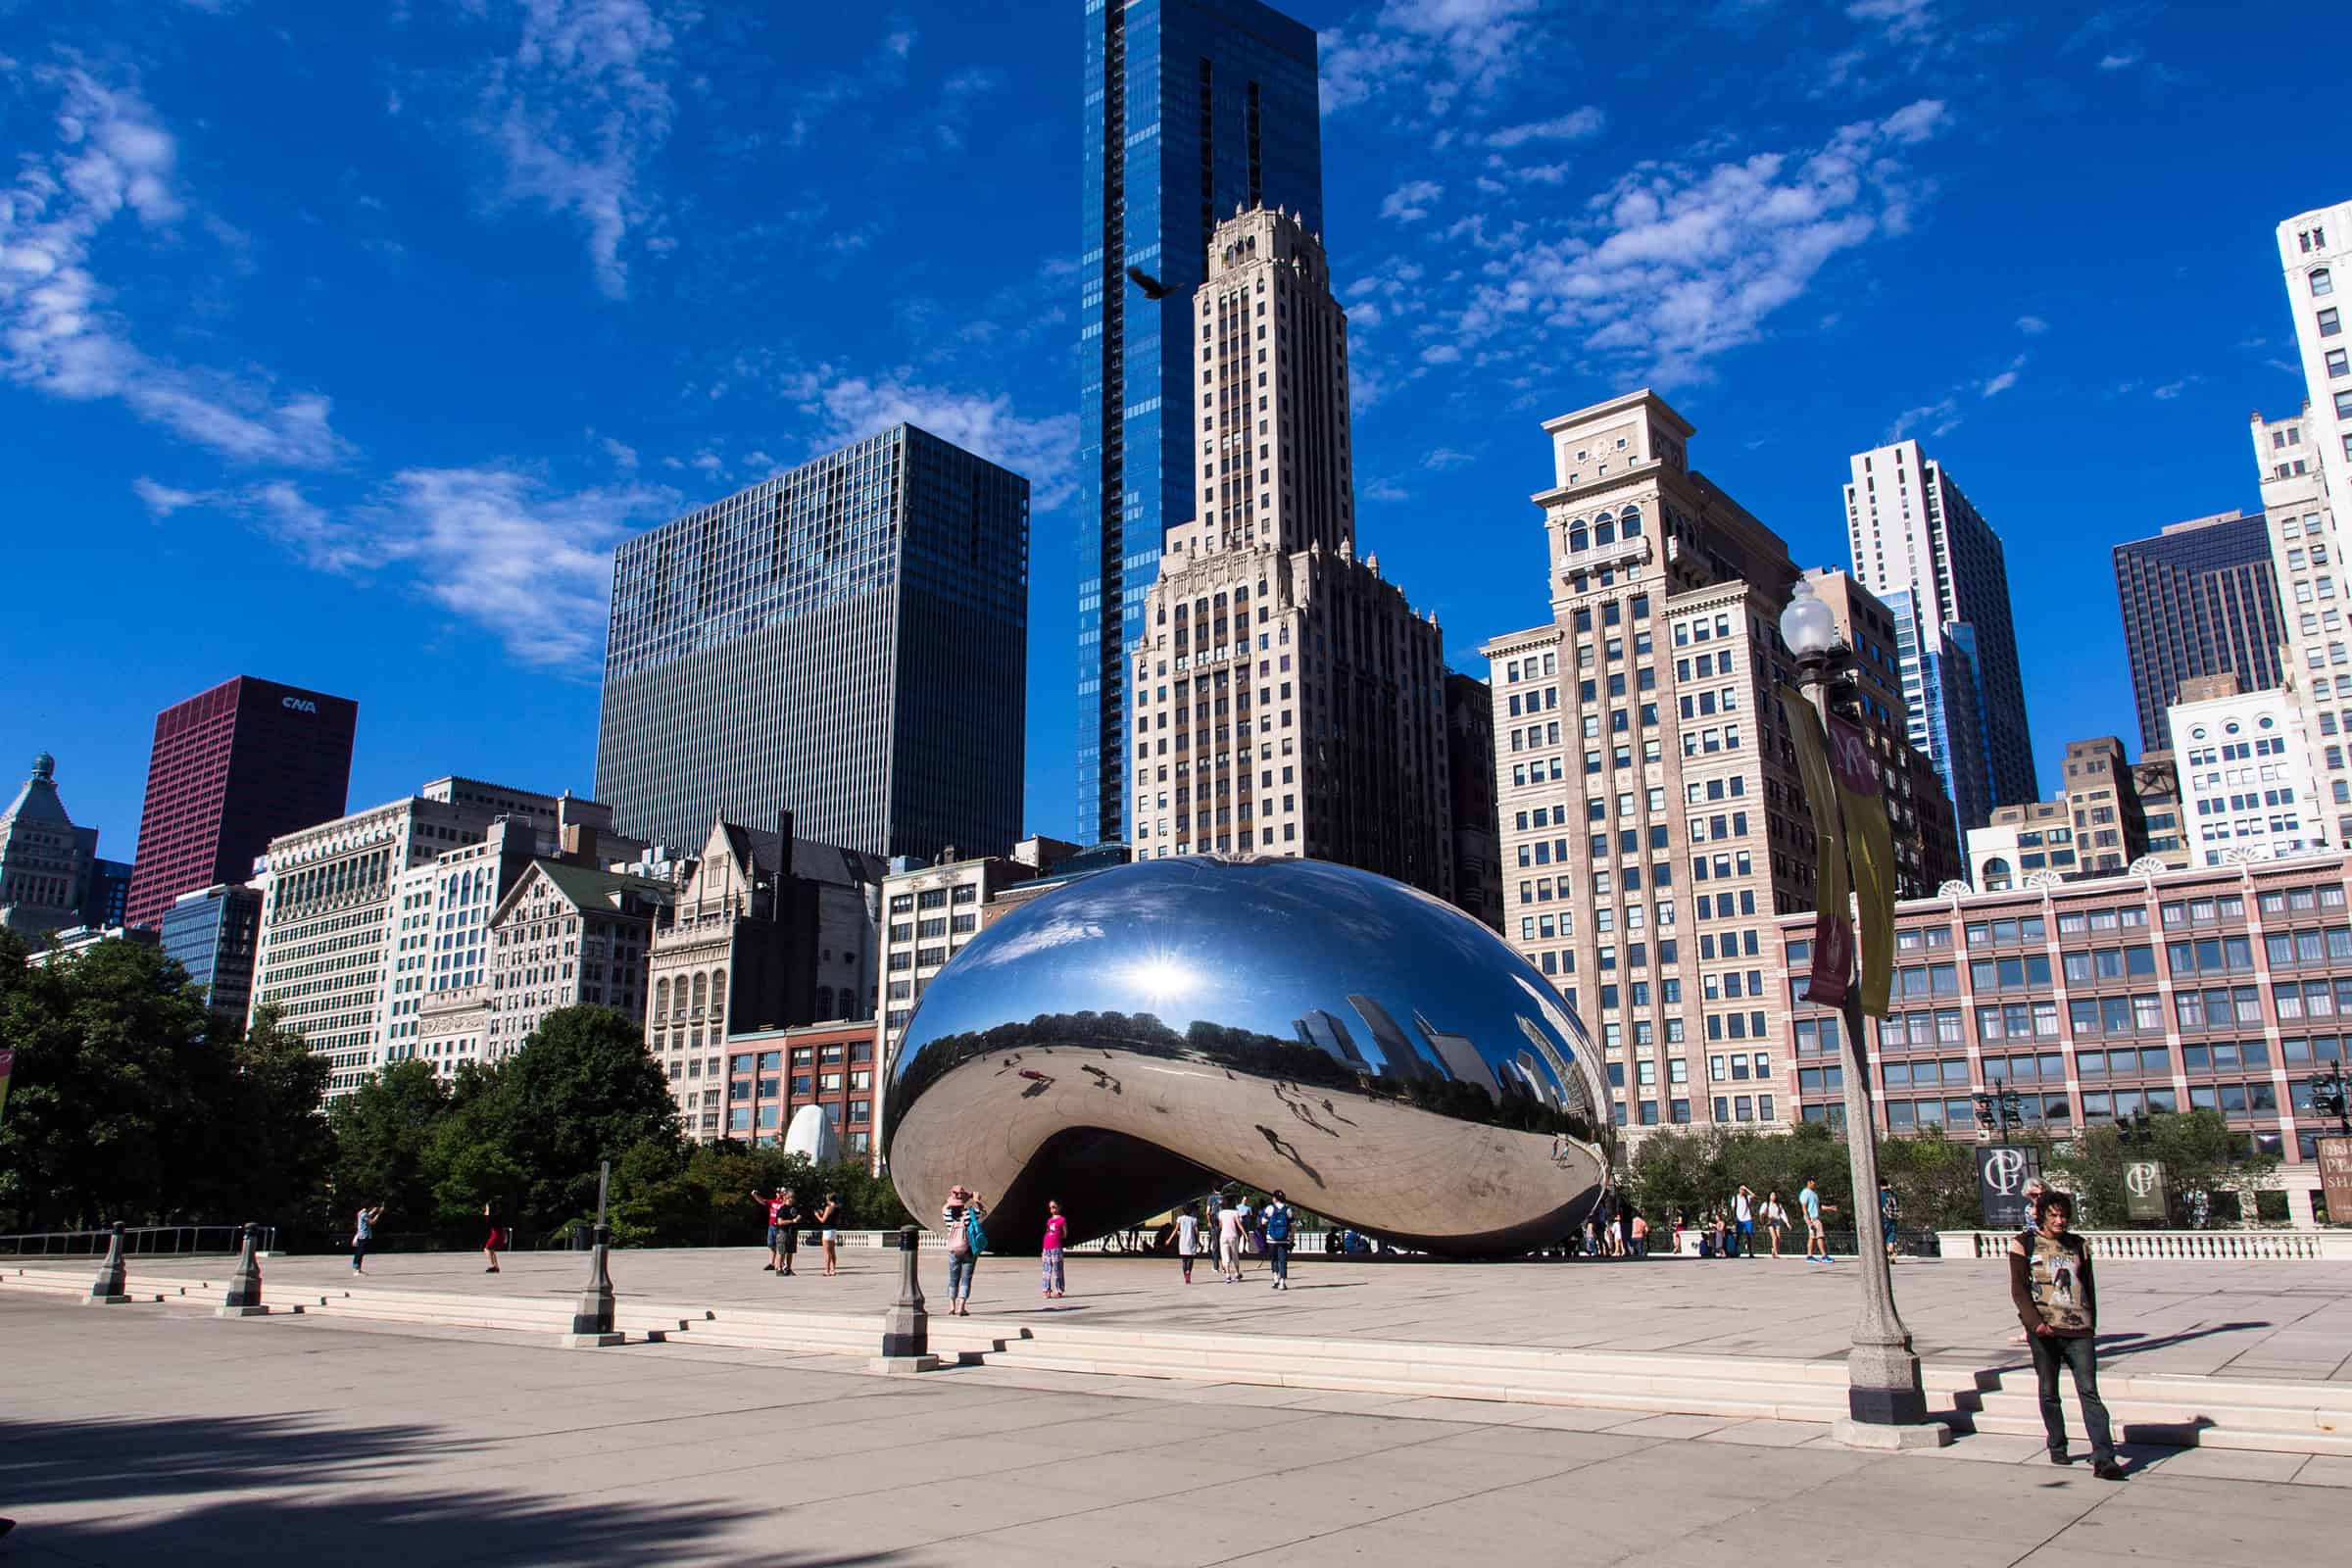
column 1056, row 1228
column 783, row 1217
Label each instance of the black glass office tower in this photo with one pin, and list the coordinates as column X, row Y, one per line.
column 1192, row 108
column 846, row 641
column 2201, row 598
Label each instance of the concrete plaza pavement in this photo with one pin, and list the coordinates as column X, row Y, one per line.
column 2235, row 1319
column 147, row 1434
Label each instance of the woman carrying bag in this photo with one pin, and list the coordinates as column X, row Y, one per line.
column 960, row 1218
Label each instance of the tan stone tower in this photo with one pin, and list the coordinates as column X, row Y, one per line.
column 1287, row 699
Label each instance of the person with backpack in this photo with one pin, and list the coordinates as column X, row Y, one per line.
column 1277, row 1221
column 960, row 1218
column 2057, row 1300
column 1050, row 1254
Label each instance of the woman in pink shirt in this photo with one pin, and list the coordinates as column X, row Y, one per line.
column 1056, row 1228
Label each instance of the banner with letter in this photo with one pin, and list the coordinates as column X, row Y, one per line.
column 1870, row 858
column 2143, row 1191
column 1833, row 927
column 2003, row 1172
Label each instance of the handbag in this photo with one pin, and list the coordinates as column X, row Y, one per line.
column 973, row 1234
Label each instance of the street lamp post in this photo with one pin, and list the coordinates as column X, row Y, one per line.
column 2330, row 1097
column 1886, row 1407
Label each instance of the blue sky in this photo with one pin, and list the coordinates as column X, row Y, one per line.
column 339, row 344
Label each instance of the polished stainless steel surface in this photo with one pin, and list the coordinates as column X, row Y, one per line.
column 1138, row 1037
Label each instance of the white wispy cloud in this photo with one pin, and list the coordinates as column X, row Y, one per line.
column 1384, row 490
column 1440, row 47
column 620, row 452
column 578, row 111
column 2123, row 59
column 849, row 407
column 2031, row 325
column 1412, row 200
column 1938, row 418
column 493, row 546
column 2003, row 379
column 1903, row 19
column 1577, row 124
column 1674, row 264
column 114, row 162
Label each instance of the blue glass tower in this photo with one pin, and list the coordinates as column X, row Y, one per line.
column 1194, row 108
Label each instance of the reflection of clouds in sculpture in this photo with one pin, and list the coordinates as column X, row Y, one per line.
column 1219, row 994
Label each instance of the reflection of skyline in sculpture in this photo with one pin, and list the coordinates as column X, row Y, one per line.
column 812, row 1134
column 1328, row 1034
column 1200, row 1008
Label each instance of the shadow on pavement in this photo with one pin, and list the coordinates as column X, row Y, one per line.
column 183, row 1492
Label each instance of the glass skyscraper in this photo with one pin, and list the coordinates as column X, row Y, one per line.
column 1192, row 108
column 846, row 641
column 2201, row 598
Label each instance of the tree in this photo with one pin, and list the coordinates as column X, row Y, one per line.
column 280, row 1147
column 1935, row 1179
column 118, row 1089
column 529, row 1133
column 2200, row 1156
column 382, row 1131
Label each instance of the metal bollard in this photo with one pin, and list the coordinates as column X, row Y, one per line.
column 108, row 1289
column 244, row 1297
column 592, row 1315
column 906, row 1326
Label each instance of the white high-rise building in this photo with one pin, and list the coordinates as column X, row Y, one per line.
column 2246, row 778
column 2306, row 466
column 1937, row 563
column 334, row 954
column 1287, row 699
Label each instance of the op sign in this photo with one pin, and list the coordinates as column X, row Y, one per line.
column 2335, row 1178
column 2143, row 1191
column 2003, row 1172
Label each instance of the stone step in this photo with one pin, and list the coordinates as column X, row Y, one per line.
column 2191, row 1414
column 2219, row 1434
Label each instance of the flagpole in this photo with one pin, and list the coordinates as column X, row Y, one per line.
column 1887, row 1405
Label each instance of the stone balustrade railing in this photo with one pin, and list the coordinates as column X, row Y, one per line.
column 2232, row 1247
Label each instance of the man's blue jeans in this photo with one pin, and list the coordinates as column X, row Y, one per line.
column 2082, row 1357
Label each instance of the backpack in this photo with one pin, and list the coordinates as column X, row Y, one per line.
column 974, row 1237
column 1278, row 1223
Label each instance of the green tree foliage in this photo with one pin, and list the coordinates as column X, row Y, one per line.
column 279, row 1148
column 529, row 1134
column 2200, row 1156
column 384, row 1131
column 119, row 1096
column 1695, row 1171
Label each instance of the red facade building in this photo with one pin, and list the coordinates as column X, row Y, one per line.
column 232, row 768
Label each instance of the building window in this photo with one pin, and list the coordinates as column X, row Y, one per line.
column 2331, row 324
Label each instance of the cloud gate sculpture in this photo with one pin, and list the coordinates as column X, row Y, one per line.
column 1144, row 1035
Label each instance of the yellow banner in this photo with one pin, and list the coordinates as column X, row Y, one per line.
column 1832, row 928
column 1870, row 855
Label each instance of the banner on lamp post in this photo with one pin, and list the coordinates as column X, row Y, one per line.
column 1831, row 976
column 8, row 1064
column 2143, row 1191
column 2003, row 1172
column 2335, row 1178
column 1870, row 858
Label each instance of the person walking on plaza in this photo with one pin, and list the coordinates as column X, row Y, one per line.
column 783, row 1218
column 2057, row 1300
column 1776, row 1219
column 1817, row 1239
column 959, row 1216
column 828, row 1231
column 1891, row 1211
column 1187, row 1241
column 1050, row 1255
column 362, row 1231
column 1276, row 1217
column 1641, row 1236
column 1229, row 1242
column 1743, row 1221
column 490, row 1241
